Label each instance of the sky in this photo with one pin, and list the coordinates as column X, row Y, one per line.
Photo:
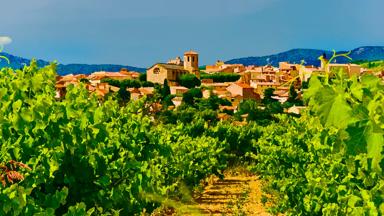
column 143, row 32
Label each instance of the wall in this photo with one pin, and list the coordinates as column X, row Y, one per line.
column 157, row 77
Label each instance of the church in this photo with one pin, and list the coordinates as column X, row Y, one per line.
column 173, row 69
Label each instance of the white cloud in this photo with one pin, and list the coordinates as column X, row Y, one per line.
column 4, row 40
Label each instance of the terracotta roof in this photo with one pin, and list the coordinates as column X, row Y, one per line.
column 223, row 116
column 217, row 84
column 179, row 87
column 68, row 78
column 222, row 92
column 177, row 99
column 147, row 90
column 170, row 66
column 114, row 89
column 238, row 123
column 96, row 77
column 268, row 83
column 296, row 109
column 134, row 90
column 227, row 108
column 80, row 76
column 243, row 85
column 101, row 92
column 91, row 88
column 103, row 74
column 191, row 53
column 281, row 93
column 283, row 88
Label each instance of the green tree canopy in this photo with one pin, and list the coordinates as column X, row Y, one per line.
column 221, row 77
column 268, row 94
column 166, row 90
column 189, row 81
column 143, row 77
column 190, row 96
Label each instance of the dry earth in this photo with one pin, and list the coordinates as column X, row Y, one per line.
column 239, row 193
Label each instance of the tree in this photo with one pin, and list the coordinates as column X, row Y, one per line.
column 274, row 108
column 190, row 96
column 167, row 101
column 268, row 94
column 292, row 95
column 189, row 81
column 143, row 77
column 293, row 98
column 130, row 83
column 123, row 95
column 147, row 84
column 84, row 80
column 213, row 103
column 221, row 77
column 111, row 82
column 166, row 90
column 249, row 107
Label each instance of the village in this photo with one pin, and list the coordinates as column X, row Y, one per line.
column 251, row 81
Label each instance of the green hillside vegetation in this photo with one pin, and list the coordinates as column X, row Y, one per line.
column 221, row 77
column 189, row 81
column 374, row 65
column 80, row 156
column 128, row 83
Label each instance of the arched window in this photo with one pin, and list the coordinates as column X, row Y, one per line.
column 193, row 59
column 189, row 58
column 156, row 71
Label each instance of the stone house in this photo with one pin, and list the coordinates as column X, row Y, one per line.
column 172, row 70
column 244, row 90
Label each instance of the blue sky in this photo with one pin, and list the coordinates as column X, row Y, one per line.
column 142, row 32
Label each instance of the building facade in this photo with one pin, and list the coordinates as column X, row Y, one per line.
column 172, row 70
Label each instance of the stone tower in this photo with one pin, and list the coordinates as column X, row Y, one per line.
column 323, row 61
column 191, row 62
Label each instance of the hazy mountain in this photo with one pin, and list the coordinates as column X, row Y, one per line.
column 18, row 62
column 310, row 56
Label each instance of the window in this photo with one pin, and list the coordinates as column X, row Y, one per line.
column 193, row 59
column 156, row 71
column 189, row 58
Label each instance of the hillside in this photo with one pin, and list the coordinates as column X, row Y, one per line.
column 62, row 69
column 310, row 56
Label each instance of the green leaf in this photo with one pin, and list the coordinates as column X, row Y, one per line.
column 375, row 142
column 16, row 106
column 335, row 111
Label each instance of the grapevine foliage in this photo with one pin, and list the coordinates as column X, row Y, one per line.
column 78, row 156
column 87, row 157
column 330, row 160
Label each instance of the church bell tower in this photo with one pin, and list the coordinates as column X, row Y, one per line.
column 191, row 62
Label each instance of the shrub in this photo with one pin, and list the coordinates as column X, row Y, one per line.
column 221, row 77
column 189, row 81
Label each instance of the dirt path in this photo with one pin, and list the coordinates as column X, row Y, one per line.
column 237, row 194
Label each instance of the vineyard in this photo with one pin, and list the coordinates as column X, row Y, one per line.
column 83, row 156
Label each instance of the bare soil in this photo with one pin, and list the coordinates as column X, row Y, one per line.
column 239, row 193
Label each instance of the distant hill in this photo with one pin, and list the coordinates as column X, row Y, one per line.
column 18, row 62
column 310, row 56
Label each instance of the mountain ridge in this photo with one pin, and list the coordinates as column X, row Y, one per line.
column 296, row 55
column 310, row 56
column 17, row 62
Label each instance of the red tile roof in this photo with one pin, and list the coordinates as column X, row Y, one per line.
column 243, row 85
